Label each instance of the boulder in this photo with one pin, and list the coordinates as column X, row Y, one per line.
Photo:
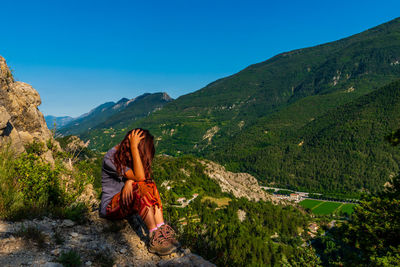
column 21, row 122
column 8, row 134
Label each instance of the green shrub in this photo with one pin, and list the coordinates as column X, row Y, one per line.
column 10, row 198
column 38, row 181
column 70, row 258
column 30, row 187
column 75, row 212
column 36, row 148
column 92, row 170
column 50, row 144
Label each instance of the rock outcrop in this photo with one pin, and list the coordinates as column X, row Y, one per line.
column 239, row 184
column 98, row 242
column 21, row 122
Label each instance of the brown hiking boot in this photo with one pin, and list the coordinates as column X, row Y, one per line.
column 159, row 244
column 170, row 234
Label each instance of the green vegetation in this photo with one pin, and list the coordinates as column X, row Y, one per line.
column 370, row 238
column 372, row 235
column 210, row 225
column 39, row 183
column 310, row 203
column 114, row 115
column 342, row 152
column 31, row 187
column 185, row 175
column 320, row 207
column 326, row 208
column 284, row 192
column 347, row 209
column 219, row 236
column 220, row 202
column 70, row 258
column 333, row 197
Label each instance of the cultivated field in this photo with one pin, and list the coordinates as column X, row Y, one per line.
column 326, row 208
column 321, row 207
column 310, row 203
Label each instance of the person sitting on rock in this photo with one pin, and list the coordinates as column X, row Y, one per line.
column 128, row 188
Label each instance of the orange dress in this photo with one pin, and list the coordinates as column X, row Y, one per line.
column 145, row 195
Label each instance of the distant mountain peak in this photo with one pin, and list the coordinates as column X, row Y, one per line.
column 123, row 100
column 131, row 100
column 166, row 97
column 124, row 111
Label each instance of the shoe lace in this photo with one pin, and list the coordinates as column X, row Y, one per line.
column 168, row 232
column 158, row 239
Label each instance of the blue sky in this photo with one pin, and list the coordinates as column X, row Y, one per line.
column 79, row 54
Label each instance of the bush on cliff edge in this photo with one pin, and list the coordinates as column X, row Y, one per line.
column 31, row 187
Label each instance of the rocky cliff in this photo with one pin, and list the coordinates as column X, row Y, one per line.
column 21, row 122
column 239, row 184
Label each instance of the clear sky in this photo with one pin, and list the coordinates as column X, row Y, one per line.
column 79, row 54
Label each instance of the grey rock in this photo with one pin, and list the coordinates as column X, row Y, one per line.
column 188, row 260
column 67, row 223
column 52, row 264
column 93, row 245
column 187, row 251
column 73, row 234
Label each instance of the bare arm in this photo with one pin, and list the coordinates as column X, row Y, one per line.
column 130, row 176
column 137, row 172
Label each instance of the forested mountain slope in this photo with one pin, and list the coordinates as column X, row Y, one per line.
column 267, row 119
column 342, row 151
column 356, row 65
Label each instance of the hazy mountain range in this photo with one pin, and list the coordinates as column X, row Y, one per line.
column 110, row 114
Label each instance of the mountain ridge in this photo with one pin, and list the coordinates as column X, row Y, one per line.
column 103, row 112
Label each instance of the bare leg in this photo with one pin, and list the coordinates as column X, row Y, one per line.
column 149, row 218
column 158, row 217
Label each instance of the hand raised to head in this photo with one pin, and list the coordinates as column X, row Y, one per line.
column 135, row 137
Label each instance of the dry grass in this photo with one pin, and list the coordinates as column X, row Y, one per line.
column 221, row 202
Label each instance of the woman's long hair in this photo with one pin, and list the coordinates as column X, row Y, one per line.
column 123, row 155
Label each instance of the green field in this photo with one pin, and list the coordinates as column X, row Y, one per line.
column 321, row 207
column 326, row 208
column 348, row 208
column 310, row 203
